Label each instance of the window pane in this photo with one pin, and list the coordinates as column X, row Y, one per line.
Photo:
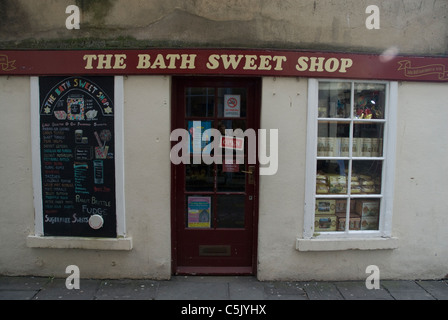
column 331, row 177
column 230, row 209
column 368, row 140
column 333, row 139
column 328, row 213
column 198, row 177
column 200, row 102
column 230, row 177
column 369, row 100
column 366, row 177
column 368, row 212
column 334, row 99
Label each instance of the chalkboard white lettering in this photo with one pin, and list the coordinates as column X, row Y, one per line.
column 77, row 155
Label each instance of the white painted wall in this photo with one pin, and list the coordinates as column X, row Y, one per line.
column 147, row 188
column 16, row 191
column 420, row 191
column 282, row 195
column 421, row 188
column 147, row 174
column 419, row 204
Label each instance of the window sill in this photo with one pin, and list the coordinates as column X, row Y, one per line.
column 346, row 244
column 123, row 244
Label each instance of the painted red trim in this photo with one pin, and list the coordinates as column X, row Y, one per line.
column 224, row 62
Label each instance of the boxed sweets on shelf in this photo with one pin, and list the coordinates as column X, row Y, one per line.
column 328, row 147
column 325, row 206
column 364, row 214
column 355, row 185
column 331, row 183
column 341, row 205
column 367, row 147
column 325, row 222
column 340, row 146
column 322, row 184
column 369, row 223
column 367, row 207
column 365, row 184
column 337, row 184
column 369, row 210
column 354, row 223
column 332, row 147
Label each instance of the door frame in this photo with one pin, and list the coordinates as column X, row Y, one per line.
column 175, row 268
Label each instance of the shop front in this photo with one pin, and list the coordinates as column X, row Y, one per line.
column 152, row 163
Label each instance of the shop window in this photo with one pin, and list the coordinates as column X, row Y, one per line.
column 350, row 158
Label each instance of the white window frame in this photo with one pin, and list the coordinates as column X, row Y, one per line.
column 78, row 242
column 388, row 158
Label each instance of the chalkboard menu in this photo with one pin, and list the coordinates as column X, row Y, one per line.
column 77, row 156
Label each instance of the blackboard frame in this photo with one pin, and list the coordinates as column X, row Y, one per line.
column 110, row 209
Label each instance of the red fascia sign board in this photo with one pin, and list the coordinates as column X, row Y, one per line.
column 224, row 62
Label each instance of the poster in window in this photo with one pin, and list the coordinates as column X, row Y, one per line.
column 200, row 137
column 199, row 210
column 77, row 156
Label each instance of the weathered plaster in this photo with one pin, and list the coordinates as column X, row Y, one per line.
column 413, row 26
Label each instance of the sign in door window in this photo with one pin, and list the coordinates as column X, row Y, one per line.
column 199, row 212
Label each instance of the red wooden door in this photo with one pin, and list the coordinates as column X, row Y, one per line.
column 215, row 205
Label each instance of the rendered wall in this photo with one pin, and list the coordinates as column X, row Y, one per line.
column 16, row 188
column 419, row 198
column 412, row 26
column 147, row 188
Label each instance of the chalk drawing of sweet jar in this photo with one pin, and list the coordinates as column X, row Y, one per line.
column 75, row 107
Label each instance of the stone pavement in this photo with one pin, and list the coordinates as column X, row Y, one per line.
column 218, row 288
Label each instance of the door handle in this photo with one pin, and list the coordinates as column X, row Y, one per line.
column 251, row 174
